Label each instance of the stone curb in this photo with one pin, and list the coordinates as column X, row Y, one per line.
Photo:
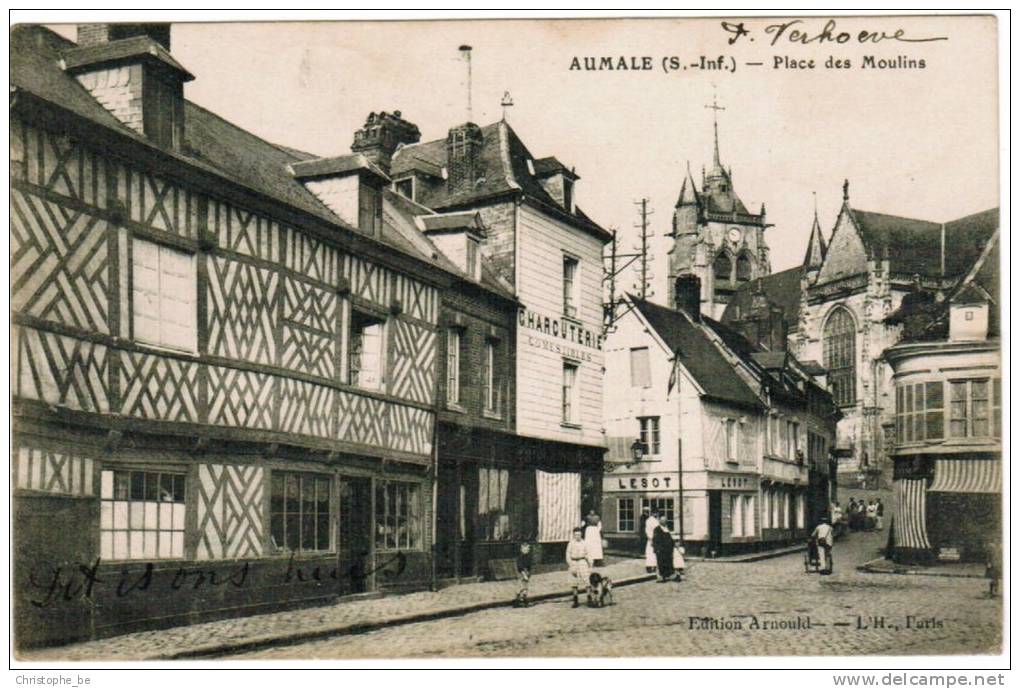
column 870, row 568
column 291, row 638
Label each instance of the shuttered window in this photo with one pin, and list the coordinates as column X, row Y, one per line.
column 640, row 368
column 453, row 366
column 367, row 351
column 163, row 296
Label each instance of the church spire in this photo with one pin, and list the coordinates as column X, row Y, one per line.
column 816, row 244
column 715, row 108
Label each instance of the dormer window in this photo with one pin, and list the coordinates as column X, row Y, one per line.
column 568, row 195
column 405, row 187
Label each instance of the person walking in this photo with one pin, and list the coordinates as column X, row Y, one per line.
column 879, row 513
column 578, row 563
column 651, row 524
column 593, row 537
column 872, row 515
column 823, row 538
column 662, row 542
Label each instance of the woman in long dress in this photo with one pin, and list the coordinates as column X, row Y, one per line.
column 662, row 541
column 651, row 524
column 593, row 537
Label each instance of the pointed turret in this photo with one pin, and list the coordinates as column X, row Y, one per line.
column 685, row 213
column 688, row 190
column 816, row 245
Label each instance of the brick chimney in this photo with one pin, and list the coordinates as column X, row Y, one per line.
column 381, row 135
column 128, row 69
column 687, row 295
column 463, row 157
column 98, row 34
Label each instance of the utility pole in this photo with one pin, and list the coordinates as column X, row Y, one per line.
column 618, row 262
column 643, row 288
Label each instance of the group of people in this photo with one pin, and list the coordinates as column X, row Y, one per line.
column 663, row 555
column 864, row 516
column 584, row 551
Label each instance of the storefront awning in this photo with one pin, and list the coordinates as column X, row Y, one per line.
column 967, row 476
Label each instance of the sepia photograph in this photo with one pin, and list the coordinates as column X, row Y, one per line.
column 561, row 340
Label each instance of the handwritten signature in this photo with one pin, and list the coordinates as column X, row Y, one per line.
column 81, row 580
column 795, row 31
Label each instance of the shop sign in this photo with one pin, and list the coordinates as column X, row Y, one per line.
column 617, row 484
column 732, row 482
column 568, row 330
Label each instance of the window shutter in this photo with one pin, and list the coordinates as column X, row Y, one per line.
column 145, row 291
column 176, row 299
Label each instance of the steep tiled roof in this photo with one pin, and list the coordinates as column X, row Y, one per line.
column 781, row 289
column 926, row 319
column 915, row 246
column 211, row 142
column 699, row 354
column 503, row 165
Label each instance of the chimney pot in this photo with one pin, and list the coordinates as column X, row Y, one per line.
column 381, row 135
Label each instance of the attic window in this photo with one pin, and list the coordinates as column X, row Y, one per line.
column 531, row 167
column 405, row 187
column 568, row 194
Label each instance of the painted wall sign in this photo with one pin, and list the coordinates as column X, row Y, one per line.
column 731, row 482
column 557, row 326
column 617, row 484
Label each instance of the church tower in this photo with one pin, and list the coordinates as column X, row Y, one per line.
column 715, row 237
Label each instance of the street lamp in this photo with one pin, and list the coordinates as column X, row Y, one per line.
column 637, row 450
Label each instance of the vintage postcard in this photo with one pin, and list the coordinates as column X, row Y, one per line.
column 531, row 338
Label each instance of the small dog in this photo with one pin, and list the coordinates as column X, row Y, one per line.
column 600, row 591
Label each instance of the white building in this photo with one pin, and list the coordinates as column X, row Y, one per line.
column 725, row 430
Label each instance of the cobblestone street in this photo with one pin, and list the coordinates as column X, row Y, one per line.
column 920, row 614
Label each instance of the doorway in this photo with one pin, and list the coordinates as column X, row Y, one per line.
column 714, row 520
column 355, row 533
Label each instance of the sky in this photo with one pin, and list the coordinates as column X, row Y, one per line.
column 914, row 142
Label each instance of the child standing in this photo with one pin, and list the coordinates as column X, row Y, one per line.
column 678, row 562
column 578, row 563
column 523, row 575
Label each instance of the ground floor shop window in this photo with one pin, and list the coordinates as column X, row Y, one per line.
column 664, row 506
column 398, row 515
column 141, row 515
column 299, row 511
column 625, row 515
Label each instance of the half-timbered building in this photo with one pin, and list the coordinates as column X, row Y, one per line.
column 224, row 354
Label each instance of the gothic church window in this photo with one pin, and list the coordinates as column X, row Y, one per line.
column 744, row 267
column 839, row 348
column 723, row 266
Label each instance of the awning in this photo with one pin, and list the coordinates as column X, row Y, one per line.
column 967, row 476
